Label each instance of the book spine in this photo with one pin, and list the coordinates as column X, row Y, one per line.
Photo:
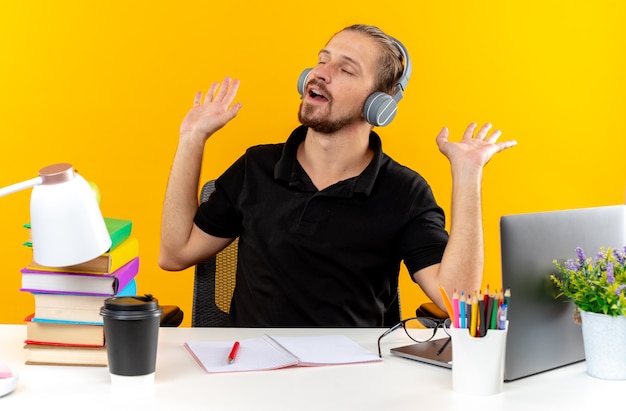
column 122, row 254
column 46, row 320
column 119, row 230
column 125, row 274
column 120, row 279
column 107, row 263
column 61, row 344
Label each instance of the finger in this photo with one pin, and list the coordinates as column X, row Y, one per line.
column 506, row 144
column 223, row 89
column 482, row 133
column 197, row 99
column 232, row 92
column 211, row 93
column 232, row 112
column 469, row 131
column 495, row 135
column 442, row 137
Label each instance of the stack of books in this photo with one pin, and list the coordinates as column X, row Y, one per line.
column 66, row 327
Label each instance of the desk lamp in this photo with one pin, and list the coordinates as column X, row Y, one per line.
column 67, row 226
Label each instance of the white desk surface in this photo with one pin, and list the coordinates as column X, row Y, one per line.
column 394, row 384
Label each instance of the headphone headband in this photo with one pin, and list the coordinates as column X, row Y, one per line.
column 406, row 72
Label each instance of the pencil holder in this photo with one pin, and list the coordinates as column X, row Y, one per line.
column 478, row 362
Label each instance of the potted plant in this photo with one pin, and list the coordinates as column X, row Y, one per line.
column 597, row 287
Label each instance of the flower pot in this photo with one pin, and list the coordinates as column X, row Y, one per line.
column 604, row 339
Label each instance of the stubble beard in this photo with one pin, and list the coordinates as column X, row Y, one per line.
column 324, row 123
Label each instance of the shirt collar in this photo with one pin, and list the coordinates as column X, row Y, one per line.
column 289, row 170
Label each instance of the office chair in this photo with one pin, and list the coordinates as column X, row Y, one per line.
column 430, row 309
column 214, row 281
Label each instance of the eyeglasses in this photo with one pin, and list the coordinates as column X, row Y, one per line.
column 413, row 327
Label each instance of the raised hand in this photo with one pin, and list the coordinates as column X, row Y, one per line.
column 208, row 116
column 472, row 150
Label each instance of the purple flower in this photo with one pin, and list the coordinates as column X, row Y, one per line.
column 571, row 265
column 620, row 256
column 610, row 278
column 581, row 257
column 619, row 289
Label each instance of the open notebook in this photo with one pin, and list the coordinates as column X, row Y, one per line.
column 270, row 352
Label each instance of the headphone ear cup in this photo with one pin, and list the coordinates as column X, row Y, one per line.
column 380, row 108
column 302, row 81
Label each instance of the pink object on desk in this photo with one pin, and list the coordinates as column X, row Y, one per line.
column 5, row 372
column 8, row 380
column 455, row 309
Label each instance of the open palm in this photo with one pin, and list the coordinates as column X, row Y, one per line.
column 208, row 116
column 473, row 150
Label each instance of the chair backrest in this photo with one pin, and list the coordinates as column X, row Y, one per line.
column 214, row 281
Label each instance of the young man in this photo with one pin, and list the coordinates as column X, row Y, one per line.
column 325, row 219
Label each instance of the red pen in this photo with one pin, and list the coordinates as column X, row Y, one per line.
column 233, row 353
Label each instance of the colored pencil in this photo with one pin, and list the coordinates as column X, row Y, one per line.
column 474, row 315
column 455, row 309
column 462, row 311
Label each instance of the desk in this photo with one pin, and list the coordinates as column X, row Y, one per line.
column 394, row 384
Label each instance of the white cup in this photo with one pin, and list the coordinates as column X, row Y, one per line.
column 478, row 362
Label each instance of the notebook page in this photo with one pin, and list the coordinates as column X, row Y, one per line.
column 326, row 350
column 254, row 354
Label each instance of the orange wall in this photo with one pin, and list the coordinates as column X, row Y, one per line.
column 104, row 87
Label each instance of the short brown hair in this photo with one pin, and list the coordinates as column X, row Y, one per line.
column 391, row 64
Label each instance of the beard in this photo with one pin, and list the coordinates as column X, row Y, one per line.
column 324, row 123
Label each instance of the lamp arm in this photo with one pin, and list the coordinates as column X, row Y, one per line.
column 20, row 186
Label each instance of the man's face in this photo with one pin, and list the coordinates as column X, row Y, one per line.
column 340, row 83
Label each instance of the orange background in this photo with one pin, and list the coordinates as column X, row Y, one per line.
column 105, row 85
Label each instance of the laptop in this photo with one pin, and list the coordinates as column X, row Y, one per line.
column 542, row 333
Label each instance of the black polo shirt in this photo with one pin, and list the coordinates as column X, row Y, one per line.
column 321, row 258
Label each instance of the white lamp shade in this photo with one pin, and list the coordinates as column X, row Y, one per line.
column 67, row 226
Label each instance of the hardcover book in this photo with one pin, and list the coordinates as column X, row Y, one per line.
column 73, row 308
column 119, row 230
column 69, row 307
column 107, row 263
column 66, row 332
column 79, row 283
column 66, row 355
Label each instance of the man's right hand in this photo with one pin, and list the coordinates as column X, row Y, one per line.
column 182, row 243
column 208, row 116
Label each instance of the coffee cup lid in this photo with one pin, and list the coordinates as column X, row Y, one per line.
column 132, row 303
column 130, row 306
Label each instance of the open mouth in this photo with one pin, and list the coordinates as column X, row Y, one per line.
column 317, row 95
